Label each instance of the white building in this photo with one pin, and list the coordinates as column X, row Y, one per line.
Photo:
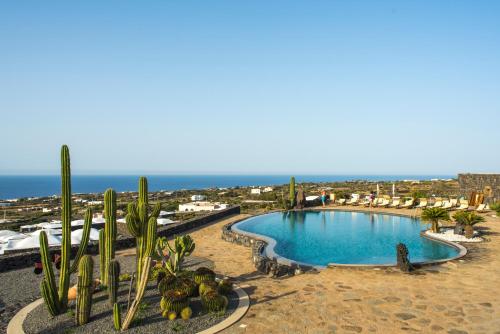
column 267, row 189
column 255, row 191
column 201, row 206
column 198, row 197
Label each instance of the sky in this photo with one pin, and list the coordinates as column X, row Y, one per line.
column 250, row 87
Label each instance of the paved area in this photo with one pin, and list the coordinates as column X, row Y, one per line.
column 458, row 297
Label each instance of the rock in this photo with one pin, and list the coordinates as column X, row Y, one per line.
column 403, row 262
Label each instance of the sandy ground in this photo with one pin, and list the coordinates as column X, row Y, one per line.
column 461, row 296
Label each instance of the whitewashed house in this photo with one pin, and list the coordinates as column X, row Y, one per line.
column 255, row 191
column 201, row 206
column 198, row 198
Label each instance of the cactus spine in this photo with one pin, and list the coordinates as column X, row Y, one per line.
column 55, row 298
column 142, row 224
column 84, row 290
column 291, row 196
column 113, row 280
column 108, row 244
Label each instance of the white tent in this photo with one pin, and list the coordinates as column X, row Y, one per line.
column 49, row 231
column 31, row 241
column 164, row 221
column 76, row 236
column 6, row 235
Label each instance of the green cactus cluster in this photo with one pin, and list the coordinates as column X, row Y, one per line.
column 183, row 284
column 214, row 302
column 225, row 286
column 173, row 256
column 141, row 223
column 206, row 286
column 56, row 298
column 107, row 236
column 174, row 301
column 84, row 290
column 186, row 313
column 203, row 274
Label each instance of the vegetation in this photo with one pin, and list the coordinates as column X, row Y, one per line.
column 57, row 301
column 84, row 288
column 107, row 250
column 291, row 196
column 141, row 223
column 495, row 207
column 468, row 220
column 173, row 257
column 434, row 216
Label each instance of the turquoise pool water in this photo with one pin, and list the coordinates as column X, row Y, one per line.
column 345, row 237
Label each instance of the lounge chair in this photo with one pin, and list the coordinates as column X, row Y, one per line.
column 395, row 203
column 447, row 205
column 408, row 204
column 422, row 204
column 340, row 201
column 384, row 204
column 365, row 202
column 464, row 205
column 481, row 208
column 438, row 204
column 353, row 201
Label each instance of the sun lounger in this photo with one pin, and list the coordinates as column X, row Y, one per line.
column 481, row 208
column 464, row 205
column 384, row 203
column 422, row 204
column 408, row 204
column 352, row 201
column 340, row 201
column 447, row 205
column 438, row 204
column 395, row 203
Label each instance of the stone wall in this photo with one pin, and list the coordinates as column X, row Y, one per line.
column 27, row 258
column 262, row 263
column 479, row 182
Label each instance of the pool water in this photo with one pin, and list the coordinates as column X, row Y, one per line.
column 345, row 237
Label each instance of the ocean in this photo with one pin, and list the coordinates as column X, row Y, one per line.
column 17, row 186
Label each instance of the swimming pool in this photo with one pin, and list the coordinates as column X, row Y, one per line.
column 320, row 238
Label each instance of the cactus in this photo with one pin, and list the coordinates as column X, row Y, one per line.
column 203, row 274
column 291, row 196
column 168, row 282
column 225, row 286
column 188, row 286
column 213, row 302
column 102, row 254
column 113, row 281
column 207, row 286
column 84, row 290
column 183, row 246
column 141, row 223
column 56, row 298
column 186, row 313
column 171, row 315
column 174, row 300
column 109, row 234
column 143, row 280
column 87, row 225
column 117, row 317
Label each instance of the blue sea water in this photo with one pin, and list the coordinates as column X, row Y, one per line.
column 17, row 186
column 345, row 237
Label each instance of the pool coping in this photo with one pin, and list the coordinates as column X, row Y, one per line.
column 271, row 243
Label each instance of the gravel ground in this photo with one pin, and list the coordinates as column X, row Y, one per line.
column 20, row 287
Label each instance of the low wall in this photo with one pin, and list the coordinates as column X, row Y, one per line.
column 262, row 263
column 27, row 258
column 479, row 182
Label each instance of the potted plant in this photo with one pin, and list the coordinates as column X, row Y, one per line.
column 433, row 216
column 468, row 220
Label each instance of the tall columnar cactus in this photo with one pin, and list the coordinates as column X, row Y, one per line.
column 56, row 298
column 291, row 196
column 84, row 290
column 102, row 254
column 87, row 225
column 109, row 234
column 141, row 223
column 113, row 280
column 117, row 316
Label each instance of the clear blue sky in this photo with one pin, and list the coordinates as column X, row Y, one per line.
column 336, row 87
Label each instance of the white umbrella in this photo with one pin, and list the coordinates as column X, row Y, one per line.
column 393, row 190
column 6, row 235
column 378, row 189
column 32, row 242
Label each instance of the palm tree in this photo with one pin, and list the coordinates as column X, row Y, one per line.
column 433, row 216
column 468, row 220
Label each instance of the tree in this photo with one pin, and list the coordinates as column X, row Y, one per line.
column 433, row 216
column 468, row 220
column 291, row 196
